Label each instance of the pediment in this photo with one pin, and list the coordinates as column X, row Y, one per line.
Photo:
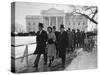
column 52, row 11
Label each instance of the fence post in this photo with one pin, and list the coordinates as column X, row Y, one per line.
column 27, row 55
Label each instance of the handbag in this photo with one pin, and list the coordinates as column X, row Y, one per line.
column 50, row 41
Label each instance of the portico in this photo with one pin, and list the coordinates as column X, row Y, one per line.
column 53, row 17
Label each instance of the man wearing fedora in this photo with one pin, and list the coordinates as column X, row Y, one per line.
column 41, row 40
column 62, row 44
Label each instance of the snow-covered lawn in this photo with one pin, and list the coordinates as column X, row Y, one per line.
column 22, row 40
column 18, row 51
column 20, row 43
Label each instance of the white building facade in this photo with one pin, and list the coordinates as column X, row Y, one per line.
column 54, row 17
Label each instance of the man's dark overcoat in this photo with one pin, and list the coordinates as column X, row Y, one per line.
column 62, row 43
column 41, row 42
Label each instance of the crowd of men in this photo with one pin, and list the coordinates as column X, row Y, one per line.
column 76, row 38
column 66, row 42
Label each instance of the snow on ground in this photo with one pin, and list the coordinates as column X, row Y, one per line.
column 84, row 60
column 18, row 48
column 22, row 40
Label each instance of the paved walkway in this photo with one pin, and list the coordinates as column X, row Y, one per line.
column 78, row 60
column 56, row 65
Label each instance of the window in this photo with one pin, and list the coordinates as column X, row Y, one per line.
column 29, row 23
column 34, row 24
column 79, row 23
column 73, row 23
column 69, row 23
column 83, row 23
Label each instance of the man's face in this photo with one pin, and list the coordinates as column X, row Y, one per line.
column 61, row 29
column 40, row 28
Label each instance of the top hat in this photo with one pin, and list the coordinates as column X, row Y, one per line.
column 68, row 28
column 41, row 25
column 54, row 27
column 62, row 26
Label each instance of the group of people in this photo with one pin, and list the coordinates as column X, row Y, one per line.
column 75, row 38
column 54, row 44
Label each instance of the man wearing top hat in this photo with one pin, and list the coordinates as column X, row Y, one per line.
column 41, row 40
column 62, row 44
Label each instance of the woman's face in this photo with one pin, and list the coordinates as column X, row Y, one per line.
column 49, row 30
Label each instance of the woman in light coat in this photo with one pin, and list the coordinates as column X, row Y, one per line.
column 51, row 48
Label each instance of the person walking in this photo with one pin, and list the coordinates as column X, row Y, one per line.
column 83, row 37
column 51, row 48
column 73, row 39
column 78, row 38
column 56, row 34
column 70, row 40
column 86, row 43
column 41, row 40
column 62, row 44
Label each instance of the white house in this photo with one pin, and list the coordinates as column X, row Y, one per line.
column 55, row 17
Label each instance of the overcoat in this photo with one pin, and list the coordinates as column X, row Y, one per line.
column 62, row 43
column 51, row 46
column 41, row 40
column 70, row 39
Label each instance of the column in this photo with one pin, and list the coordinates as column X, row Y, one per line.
column 42, row 19
column 64, row 19
column 56, row 23
column 49, row 20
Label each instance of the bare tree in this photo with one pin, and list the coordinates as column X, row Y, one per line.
column 88, row 11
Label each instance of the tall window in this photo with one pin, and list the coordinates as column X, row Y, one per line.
column 73, row 23
column 29, row 23
column 69, row 23
column 83, row 23
column 79, row 23
column 34, row 25
column 29, row 27
column 53, row 21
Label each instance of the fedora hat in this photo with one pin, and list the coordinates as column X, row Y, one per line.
column 54, row 27
column 62, row 26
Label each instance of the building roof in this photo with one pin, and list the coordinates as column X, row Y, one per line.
column 52, row 11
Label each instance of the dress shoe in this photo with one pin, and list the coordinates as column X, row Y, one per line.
column 35, row 66
column 45, row 63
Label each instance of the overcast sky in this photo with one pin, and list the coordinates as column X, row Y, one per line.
column 30, row 8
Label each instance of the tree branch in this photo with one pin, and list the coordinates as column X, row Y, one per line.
column 94, row 13
column 91, row 19
column 85, row 9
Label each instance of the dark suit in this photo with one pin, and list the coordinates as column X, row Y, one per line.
column 62, row 45
column 78, row 39
column 41, row 45
column 57, row 35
